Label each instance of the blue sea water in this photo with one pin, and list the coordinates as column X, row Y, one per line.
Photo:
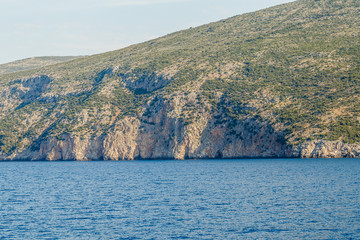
column 205, row 199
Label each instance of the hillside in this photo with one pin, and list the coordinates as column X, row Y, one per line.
column 280, row 82
column 31, row 63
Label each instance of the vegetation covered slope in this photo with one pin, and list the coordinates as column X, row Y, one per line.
column 293, row 70
column 31, row 63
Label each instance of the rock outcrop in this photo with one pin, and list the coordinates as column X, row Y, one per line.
column 162, row 135
column 327, row 149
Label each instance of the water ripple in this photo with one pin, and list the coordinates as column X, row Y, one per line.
column 235, row 199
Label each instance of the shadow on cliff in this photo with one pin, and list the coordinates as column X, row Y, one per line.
column 32, row 88
column 163, row 137
column 159, row 135
column 232, row 138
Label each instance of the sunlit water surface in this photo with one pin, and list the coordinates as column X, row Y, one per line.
column 207, row 199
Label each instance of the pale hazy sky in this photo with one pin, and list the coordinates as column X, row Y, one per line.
column 81, row 27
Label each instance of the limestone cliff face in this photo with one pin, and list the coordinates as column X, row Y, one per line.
column 162, row 134
column 327, row 149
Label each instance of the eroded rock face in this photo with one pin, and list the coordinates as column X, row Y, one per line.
column 327, row 149
column 31, row 88
column 120, row 144
column 128, row 142
column 162, row 133
column 22, row 92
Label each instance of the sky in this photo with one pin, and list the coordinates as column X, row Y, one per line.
column 30, row 28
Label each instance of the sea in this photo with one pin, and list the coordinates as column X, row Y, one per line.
column 192, row 199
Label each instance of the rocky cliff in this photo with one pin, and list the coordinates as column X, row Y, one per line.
column 281, row 82
column 163, row 134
